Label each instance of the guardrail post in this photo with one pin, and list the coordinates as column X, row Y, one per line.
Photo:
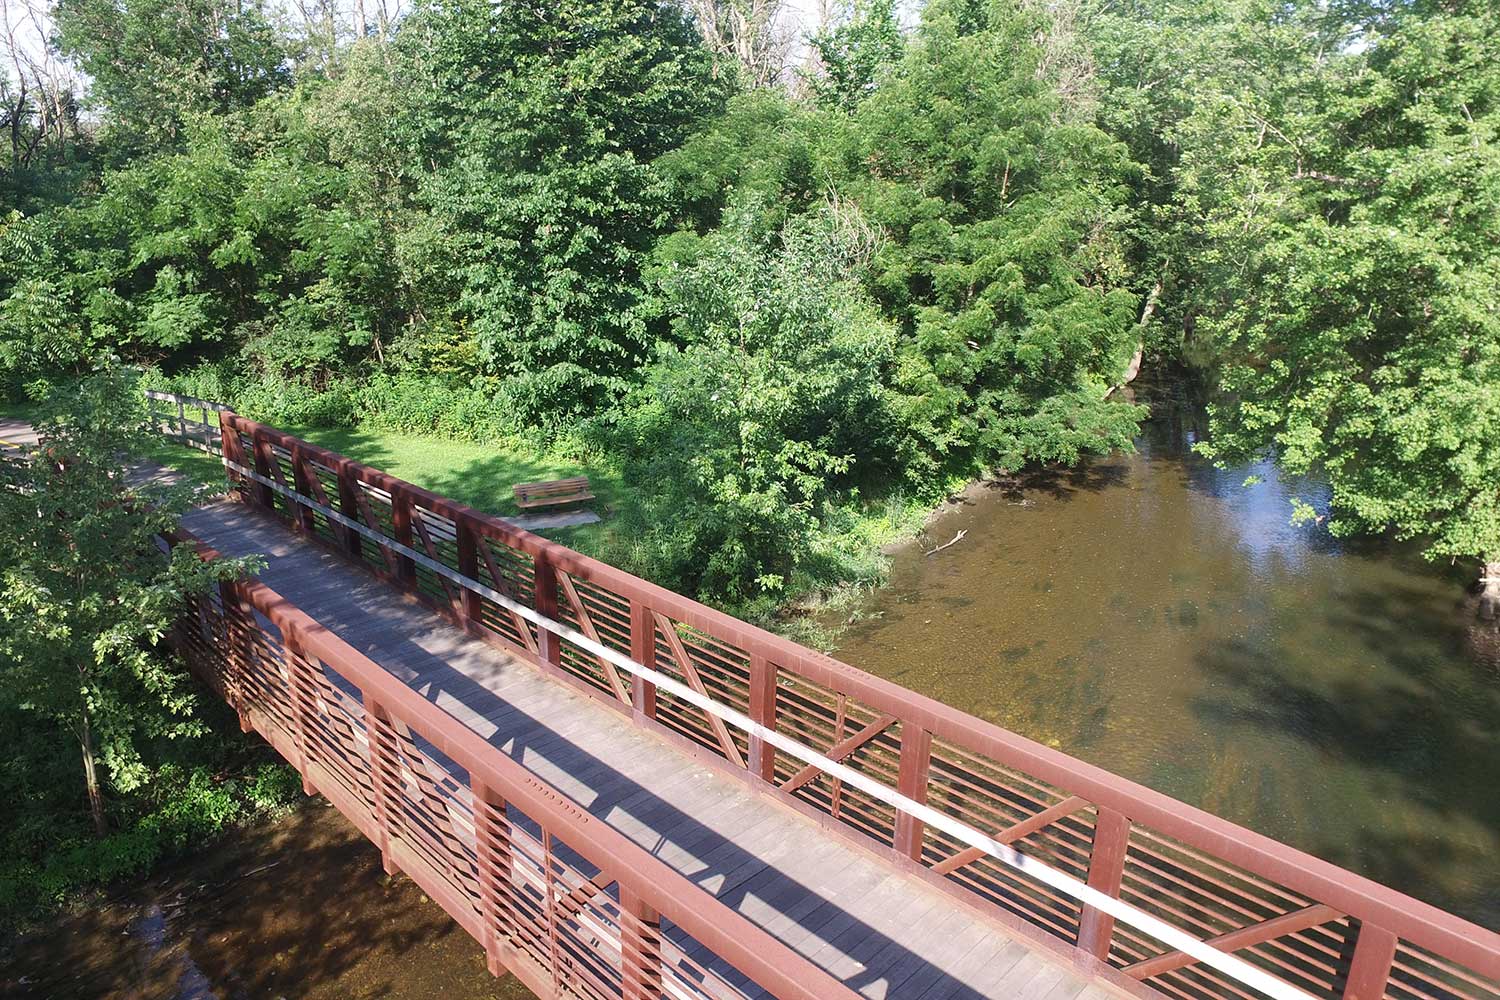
column 762, row 762
column 238, row 653
column 468, row 567
column 916, row 763
column 642, row 651
column 1106, row 867
column 302, row 514
column 383, row 777
column 1370, row 969
column 295, row 660
column 264, row 497
column 349, row 507
column 640, row 948
column 493, row 859
column 544, row 578
column 406, row 570
column 229, row 447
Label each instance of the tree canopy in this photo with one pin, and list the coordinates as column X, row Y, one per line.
column 506, row 220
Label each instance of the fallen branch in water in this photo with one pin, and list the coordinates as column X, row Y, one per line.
column 953, row 541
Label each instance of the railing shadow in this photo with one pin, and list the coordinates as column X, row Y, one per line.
column 629, row 778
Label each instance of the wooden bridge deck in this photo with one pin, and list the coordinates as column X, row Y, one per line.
column 881, row 930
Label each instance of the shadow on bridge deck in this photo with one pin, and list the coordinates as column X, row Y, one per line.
column 883, row 931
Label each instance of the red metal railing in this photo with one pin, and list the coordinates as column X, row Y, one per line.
column 556, row 896
column 1314, row 926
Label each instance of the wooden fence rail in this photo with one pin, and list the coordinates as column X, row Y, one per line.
column 186, row 419
column 1313, row 926
column 556, row 896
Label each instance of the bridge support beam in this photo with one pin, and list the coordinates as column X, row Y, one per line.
column 916, row 763
column 762, row 761
column 1374, row 951
column 383, row 777
column 642, row 651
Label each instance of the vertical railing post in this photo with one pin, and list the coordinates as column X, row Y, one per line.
column 544, row 576
column 916, row 765
column 642, row 651
column 349, row 507
column 295, row 667
column 640, row 948
column 1370, row 969
column 302, row 514
column 239, row 655
column 762, row 762
column 1106, row 868
column 384, row 778
column 495, row 864
column 182, row 430
column 406, row 570
column 468, row 566
column 264, row 457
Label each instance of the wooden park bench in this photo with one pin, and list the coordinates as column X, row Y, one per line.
column 552, row 493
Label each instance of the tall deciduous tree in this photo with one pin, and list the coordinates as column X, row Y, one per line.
column 1005, row 261
column 86, row 595
column 539, row 123
column 1351, row 275
column 152, row 63
column 777, row 399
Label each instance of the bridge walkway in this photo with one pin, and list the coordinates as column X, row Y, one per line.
column 881, row 930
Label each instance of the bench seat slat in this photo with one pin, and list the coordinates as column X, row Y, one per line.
column 556, row 491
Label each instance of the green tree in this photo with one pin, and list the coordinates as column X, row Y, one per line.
column 1355, row 254
column 854, row 52
column 86, row 595
column 775, row 405
column 154, row 63
column 539, row 123
column 1005, row 262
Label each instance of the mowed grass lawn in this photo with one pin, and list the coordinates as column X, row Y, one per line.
column 479, row 475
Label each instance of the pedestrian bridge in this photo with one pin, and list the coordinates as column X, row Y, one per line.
column 620, row 792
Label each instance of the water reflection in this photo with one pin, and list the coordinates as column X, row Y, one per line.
column 1156, row 616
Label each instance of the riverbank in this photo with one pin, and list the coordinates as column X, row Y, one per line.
column 299, row 907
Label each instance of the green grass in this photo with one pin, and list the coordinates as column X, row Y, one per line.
column 480, row 475
column 197, row 466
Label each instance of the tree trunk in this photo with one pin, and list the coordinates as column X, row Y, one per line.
column 1489, row 591
column 91, row 777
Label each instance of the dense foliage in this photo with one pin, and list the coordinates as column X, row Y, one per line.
column 580, row 221
column 86, row 685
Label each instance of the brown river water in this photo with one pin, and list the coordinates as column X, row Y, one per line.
column 296, row 909
column 1153, row 615
column 1146, row 612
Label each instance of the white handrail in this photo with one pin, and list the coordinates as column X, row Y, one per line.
column 1236, row 968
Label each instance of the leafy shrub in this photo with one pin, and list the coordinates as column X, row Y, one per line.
column 741, row 439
